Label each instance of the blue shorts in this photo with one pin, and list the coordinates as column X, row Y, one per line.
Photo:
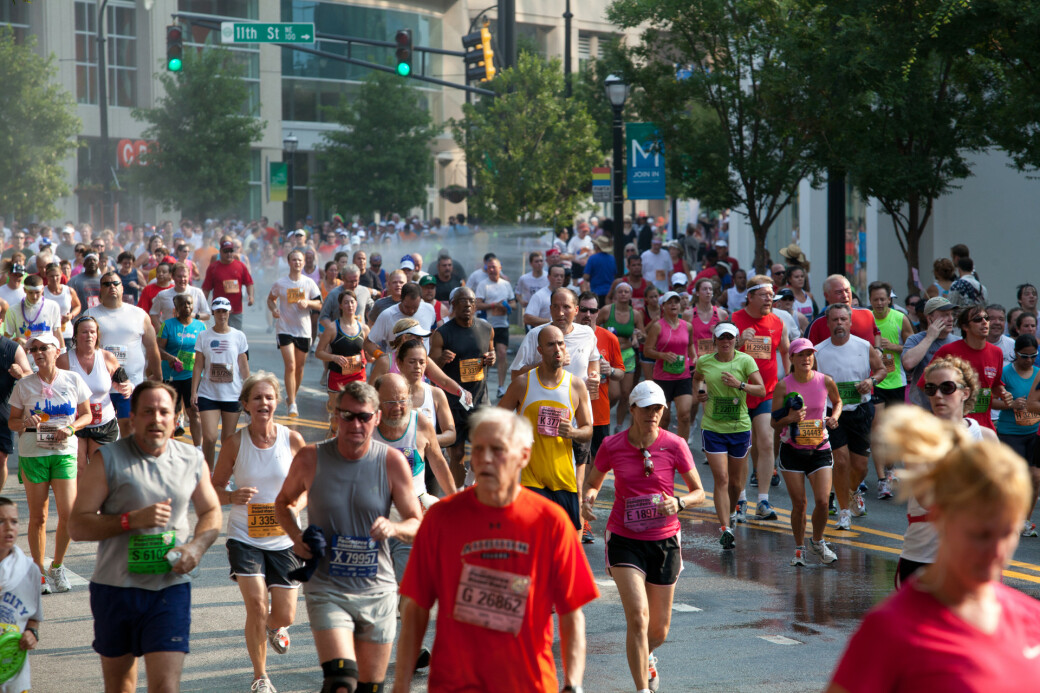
column 121, row 405
column 736, row 445
column 129, row 620
column 764, row 407
column 206, row 404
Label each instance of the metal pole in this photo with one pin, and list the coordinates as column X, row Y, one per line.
column 507, row 31
column 103, row 162
column 291, row 201
column 619, row 202
column 835, row 221
column 567, row 16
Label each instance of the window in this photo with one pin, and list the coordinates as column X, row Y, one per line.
column 16, row 16
column 250, row 207
column 120, row 55
column 246, row 55
column 237, row 9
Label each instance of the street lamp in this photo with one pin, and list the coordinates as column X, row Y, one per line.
column 617, row 92
column 289, row 144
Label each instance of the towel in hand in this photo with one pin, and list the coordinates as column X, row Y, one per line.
column 314, row 538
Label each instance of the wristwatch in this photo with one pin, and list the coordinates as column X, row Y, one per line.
column 742, row 385
column 681, row 502
column 36, row 633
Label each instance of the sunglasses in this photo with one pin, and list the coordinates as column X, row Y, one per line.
column 648, row 464
column 947, row 388
column 35, row 350
column 392, row 402
column 348, row 416
column 980, row 318
column 1020, row 355
column 726, row 335
column 588, row 310
column 111, row 283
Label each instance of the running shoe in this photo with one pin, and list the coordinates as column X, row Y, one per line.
column 799, row 557
column 844, row 520
column 754, row 479
column 501, row 392
column 822, row 551
column 1029, row 530
column 294, row 410
column 279, row 639
column 59, row 579
column 883, row 491
column 862, row 488
column 262, row 685
column 655, row 680
column 727, row 539
column 765, row 511
column 775, row 481
column 423, row 660
column 733, row 519
column 832, row 506
column 45, row 585
column 859, row 508
column 741, row 514
column 586, row 534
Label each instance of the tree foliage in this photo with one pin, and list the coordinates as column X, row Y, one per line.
column 200, row 163
column 40, row 128
column 380, row 159
column 531, row 150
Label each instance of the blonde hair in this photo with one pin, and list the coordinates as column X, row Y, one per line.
column 969, row 378
column 257, row 378
column 946, row 468
column 400, row 326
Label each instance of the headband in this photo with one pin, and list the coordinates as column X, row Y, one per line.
column 621, row 284
column 756, row 287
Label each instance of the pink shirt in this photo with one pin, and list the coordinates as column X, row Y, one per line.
column 913, row 643
column 634, row 514
column 673, row 341
column 812, row 432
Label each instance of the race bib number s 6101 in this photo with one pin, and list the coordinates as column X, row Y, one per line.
column 147, row 553
column 494, row 599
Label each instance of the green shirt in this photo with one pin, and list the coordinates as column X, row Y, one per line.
column 726, row 409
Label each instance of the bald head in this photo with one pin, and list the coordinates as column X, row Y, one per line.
column 549, row 334
column 394, row 400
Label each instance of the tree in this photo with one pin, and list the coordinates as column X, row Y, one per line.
column 201, row 158
column 380, row 159
column 731, row 131
column 40, row 128
column 531, row 150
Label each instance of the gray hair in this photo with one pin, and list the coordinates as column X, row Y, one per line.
column 349, row 269
column 360, row 392
column 836, row 306
column 518, row 429
column 256, row 379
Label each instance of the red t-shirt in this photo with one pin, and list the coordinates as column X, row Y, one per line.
column 609, row 347
column 912, row 643
column 227, row 281
column 988, row 364
column 634, row 514
column 769, row 330
column 531, row 538
column 148, row 295
column 863, row 326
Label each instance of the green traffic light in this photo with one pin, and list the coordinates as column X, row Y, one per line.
column 174, row 65
column 404, row 69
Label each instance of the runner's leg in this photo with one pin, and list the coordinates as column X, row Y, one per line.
column 163, row 671
column 210, row 421
column 683, row 407
column 289, row 360
column 762, row 451
column 632, row 588
column 37, row 495
column 228, row 423
column 373, row 658
column 719, row 462
column 119, row 673
column 841, row 476
column 820, row 481
column 795, row 482
column 659, row 598
column 301, row 361
column 64, row 497
column 254, row 594
column 283, row 607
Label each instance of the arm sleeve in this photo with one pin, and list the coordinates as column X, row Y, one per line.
column 684, row 459
column 247, row 278
column 154, row 310
column 15, row 400
column 329, row 305
column 203, row 306
column 207, row 282
column 523, row 354
column 614, row 355
column 315, row 291
column 579, row 588
column 379, row 332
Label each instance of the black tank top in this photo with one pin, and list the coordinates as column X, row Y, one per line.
column 345, row 345
column 8, row 348
column 130, row 295
column 468, row 343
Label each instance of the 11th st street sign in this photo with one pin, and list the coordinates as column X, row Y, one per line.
column 253, row 32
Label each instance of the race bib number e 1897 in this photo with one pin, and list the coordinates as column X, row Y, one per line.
column 353, row 557
column 261, row 521
column 641, row 513
column 490, row 598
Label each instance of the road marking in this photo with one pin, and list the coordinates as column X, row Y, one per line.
column 74, row 580
column 606, row 583
column 679, row 606
column 780, row 640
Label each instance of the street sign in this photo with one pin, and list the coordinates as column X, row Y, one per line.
column 644, row 167
column 278, row 185
column 601, row 191
column 255, row 32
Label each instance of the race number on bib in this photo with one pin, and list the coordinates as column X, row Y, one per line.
column 725, row 409
column 1024, row 417
column 353, row 557
column 187, row 359
column 93, row 301
column 676, row 367
column 294, row 295
column 809, row 432
column 659, row 275
column 146, row 554
column 759, row 347
column 471, row 370
column 491, row 598
column 641, row 513
column 355, row 363
column 46, row 436
column 848, row 392
column 261, row 521
column 119, row 351
column 95, row 413
column 549, row 420
column 889, row 361
column 220, row 373
column 231, row 286
column 982, row 401
column 705, row 346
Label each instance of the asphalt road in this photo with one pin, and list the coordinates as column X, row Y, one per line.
column 743, row 620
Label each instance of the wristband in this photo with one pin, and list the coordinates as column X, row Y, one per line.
column 36, row 633
column 124, row 521
column 461, row 392
column 72, row 429
column 377, row 353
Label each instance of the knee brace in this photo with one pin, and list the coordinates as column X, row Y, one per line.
column 370, row 687
column 341, row 676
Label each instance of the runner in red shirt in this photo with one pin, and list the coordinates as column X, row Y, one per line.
column 762, row 334
column 836, row 289
column 226, row 278
column 496, row 559
column 987, row 360
column 163, row 280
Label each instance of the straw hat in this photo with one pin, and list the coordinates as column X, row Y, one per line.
column 794, row 253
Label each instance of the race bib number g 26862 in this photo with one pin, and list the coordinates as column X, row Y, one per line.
column 471, row 370
column 261, row 521
column 494, row 599
column 759, row 347
column 147, row 553
column 354, row 557
column 641, row 513
column 848, row 392
column 549, row 420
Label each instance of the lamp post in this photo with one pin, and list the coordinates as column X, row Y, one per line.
column 104, row 145
column 289, row 143
column 617, row 93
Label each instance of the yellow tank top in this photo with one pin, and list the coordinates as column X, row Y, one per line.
column 552, row 457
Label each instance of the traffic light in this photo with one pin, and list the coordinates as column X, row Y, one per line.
column 174, row 48
column 403, row 38
column 480, row 59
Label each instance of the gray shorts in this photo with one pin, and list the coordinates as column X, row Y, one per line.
column 371, row 617
column 399, row 552
column 235, row 320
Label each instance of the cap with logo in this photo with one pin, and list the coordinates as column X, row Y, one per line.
column 220, row 303
column 647, row 394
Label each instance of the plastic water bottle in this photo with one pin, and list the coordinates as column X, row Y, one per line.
column 174, row 555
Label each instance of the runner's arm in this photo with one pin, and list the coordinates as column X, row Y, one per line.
column 513, row 397
column 590, row 489
column 243, row 365
column 572, row 647
column 196, row 375
column 226, row 465
column 434, row 456
column 779, row 395
column 1033, row 402
column 322, row 350
column 754, row 385
column 694, row 488
column 583, row 414
column 151, row 350
column 297, row 482
column 785, row 345
column 446, row 438
column 86, row 522
column 401, row 489
column 207, row 507
column 650, row 346
column 414, row 622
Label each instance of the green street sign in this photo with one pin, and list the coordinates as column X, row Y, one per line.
column 256, row 32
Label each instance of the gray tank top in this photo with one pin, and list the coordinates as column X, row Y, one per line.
column 136, row 480
column 344, row 500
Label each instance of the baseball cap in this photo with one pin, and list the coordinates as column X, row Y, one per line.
column 680, row 278
column 47, row 338
column 668, row 295
column 376, row 257
column 416, row 330
column 220, row 304
column 407, row 264
column 721, row 244
column 299, row 232
column 552, row 251
column 937, row 303
column 801, row 344
column 783, row 294
column 227, row 245
column 19, row 268
column 342, row 232
column 725, row 328
column 427, row 280
column 45, row 242
column 647, row 394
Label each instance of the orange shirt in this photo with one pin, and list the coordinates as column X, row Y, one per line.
column 608, row 347
column 203, row 256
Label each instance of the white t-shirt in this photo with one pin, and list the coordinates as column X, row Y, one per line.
column 577, row 244
column 538, row 306
column 581, row 345
column 26, row 321
column 19, row 604
column 58, row 406
column 122, row 333
column 496, row 292
column 12, row 296
column 382, row 332
column 294, row 319
column 657, row 267
column 221, row 380
column 162, row 304
column 64, row 301
column 528, row 284
column 476, row 278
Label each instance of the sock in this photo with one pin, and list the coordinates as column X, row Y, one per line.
column 363, row 687
column 724, row 528
column 743, row 496
column 55, row 565
column 800, row 548
column 763, row 497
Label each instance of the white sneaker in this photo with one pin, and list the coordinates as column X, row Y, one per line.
column 294, row 410
column 883, row 490
column 844, row 520
column 859, row 508
column 262, row 685
column 655, row 680
column 59, row 579
column 45, row 585
column 1029, row 529
column 799, row 557
column 822, row 551
column 279, row 639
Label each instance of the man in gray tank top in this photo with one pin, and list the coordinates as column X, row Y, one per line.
column 351, row 482
column 133, row 498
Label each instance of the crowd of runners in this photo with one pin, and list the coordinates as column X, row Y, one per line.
column 125, row 373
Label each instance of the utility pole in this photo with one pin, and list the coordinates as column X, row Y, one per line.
column 507, row 32
column 567, row 17
column 104, row 161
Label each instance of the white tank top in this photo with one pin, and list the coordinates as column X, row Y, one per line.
column 803, row 307
column 64, row 301
column 427, row 407
column 265, row 470
column 100, row 383
column 122, row 333
column 921, row 541
column 406, row 445
column 847, row 363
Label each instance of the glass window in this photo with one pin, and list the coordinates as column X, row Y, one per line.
column 16, row 16
column 250, row 207
column 238, row 9
column 120, row 55
column 246, row 55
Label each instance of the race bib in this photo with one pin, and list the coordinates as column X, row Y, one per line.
column 471, row 370
column 659, row 275
column 146, row 554
column 676, row 367
column 95, row 413
column 982, row 401
column 809, row 432
column 759, row 347
column 641, row 513
column 725, row 408
column 93, row 301
column 187, row 359
column 119, row 351
column 549, row 420
column 294, row 295
column 353, row 557
column 890, row 362
column 1024, row 417
column 848, row 392
column 493, row 599
column 705, row 346
column 638, row 303
column 220, row 373
column 261, row 521
column 355, row 363
column 231, row 286
column 46, row 436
